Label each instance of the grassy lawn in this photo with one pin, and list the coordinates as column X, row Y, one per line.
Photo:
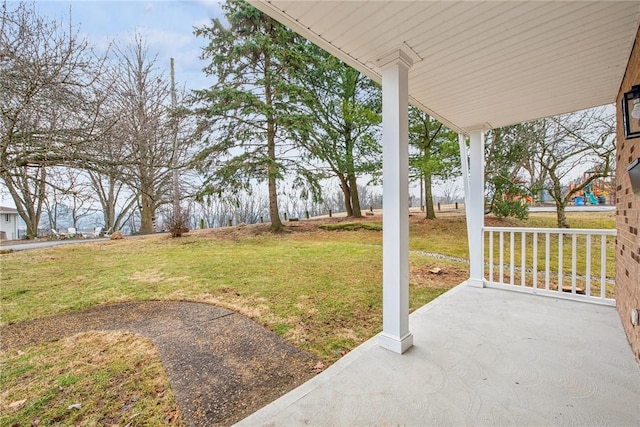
column 88, row 379
column 322, row 294
column 321, row 289
column 321, row 278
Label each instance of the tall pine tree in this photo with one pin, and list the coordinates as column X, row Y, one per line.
column 342, row 132
column 247, row 115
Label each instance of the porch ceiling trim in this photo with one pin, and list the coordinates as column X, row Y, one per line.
column 480, row 63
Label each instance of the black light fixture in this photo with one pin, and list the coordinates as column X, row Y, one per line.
column 634, row 175
column 631, row 112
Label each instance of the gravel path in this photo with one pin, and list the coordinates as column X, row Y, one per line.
column 222, row 366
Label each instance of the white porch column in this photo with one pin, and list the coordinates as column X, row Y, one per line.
column 395, row 238
column 475, row 213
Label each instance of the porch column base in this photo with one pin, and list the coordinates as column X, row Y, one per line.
column 475, row 283
column 397, row 345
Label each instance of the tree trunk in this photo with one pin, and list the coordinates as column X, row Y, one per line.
column 428, row 198
column 421, row 192
column 346, row 193
column 556, row 192
column 356, row 212
column 272, row 171
column 274, row 214
column 28, row 203
column 147, row 214
column 32, row 226
column 276, row 223
column 561, row 216
column 110, row 209
column 430, row 212
column 30, row 216
column 52, row 212
column 53, row 218
column 75, row 217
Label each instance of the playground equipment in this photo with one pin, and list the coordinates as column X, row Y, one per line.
column 591, row 197
column 600, row 191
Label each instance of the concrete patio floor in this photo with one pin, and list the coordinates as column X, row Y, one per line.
column 481, row 357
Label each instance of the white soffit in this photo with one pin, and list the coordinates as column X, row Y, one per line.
column 490, row 63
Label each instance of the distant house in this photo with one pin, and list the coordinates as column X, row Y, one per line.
column 8, row 223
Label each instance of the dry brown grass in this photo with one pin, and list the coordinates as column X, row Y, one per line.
column 91, row 379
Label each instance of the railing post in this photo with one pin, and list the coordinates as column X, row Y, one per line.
column 501, row 252
column 512, row 260
column 535, row 261
column 560, row 260
column 574, row 252
column 603, row 266
column 491, row 256
column 547, row 267
column 523, row 259
column 587, row 273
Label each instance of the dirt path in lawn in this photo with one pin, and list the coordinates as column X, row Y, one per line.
column 222, row 366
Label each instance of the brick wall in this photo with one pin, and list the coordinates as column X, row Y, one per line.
column 628, row 214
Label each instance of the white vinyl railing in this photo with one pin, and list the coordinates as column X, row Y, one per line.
column 559, row 262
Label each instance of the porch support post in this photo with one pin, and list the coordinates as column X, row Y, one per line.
column 395, row 238
column 475, row 213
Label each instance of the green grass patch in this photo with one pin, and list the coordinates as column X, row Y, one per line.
column 352, row 226
column 89, row 379
column 603, row 220
column 319, row 290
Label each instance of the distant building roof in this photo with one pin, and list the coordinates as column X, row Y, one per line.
column 4, row 209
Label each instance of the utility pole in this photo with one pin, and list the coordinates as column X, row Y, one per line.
column 176, row 176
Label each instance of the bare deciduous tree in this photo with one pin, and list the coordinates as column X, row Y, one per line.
column 70, row 188
column 570, row 142
column 448, row 190
column 524, row 159
column 145, row 129
column 49, row 103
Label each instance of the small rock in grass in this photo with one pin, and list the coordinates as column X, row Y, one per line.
column 74, row 406
column 17, row 404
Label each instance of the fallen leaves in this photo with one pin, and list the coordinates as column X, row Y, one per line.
column 319, row 367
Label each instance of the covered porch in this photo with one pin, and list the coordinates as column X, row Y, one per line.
column 480, row 354
column 480, row 357
column 474, row 66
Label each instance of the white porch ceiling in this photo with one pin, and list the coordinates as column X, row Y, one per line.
column 490, row 63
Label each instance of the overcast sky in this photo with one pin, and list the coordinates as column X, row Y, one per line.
column 166, row 26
